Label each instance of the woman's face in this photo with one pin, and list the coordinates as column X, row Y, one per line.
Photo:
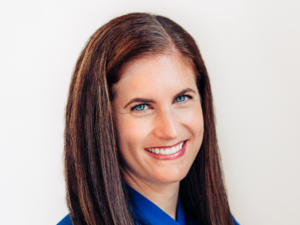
column 158, row 117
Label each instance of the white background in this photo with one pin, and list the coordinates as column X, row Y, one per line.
column 252, row 52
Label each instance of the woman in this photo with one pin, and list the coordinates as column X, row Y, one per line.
column 140, row 139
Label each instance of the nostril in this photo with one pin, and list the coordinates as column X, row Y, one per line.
column 165, row 126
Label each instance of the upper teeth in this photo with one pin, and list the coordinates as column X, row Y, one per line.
column 166, row 151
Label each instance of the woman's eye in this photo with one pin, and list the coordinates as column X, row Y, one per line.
column 140, row 107
column 181, row 98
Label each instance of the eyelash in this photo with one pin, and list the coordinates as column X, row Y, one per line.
column 134, row 107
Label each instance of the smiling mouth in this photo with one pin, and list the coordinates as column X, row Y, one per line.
column 167, row 150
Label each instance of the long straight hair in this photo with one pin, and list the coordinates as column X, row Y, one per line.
column 95, row 194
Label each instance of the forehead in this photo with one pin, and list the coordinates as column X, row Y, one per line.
column 156, row 74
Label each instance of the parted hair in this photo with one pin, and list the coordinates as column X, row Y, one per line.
column 95, row 190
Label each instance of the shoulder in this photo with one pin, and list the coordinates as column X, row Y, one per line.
column 234, row 221
column 65, row 221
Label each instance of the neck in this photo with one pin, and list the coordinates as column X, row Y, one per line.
column 165, row 196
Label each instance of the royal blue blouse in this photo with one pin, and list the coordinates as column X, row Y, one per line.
column 146, row 212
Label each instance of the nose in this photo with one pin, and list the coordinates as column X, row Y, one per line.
column 165, row 126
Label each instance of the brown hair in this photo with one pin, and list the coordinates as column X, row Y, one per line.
column 95, row 193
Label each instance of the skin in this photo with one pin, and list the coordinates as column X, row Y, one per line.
column 165, row 120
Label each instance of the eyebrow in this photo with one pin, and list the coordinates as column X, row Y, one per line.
column 146, row 100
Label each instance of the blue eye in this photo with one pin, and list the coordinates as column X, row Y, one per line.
column 181, row 98
column 140, row 107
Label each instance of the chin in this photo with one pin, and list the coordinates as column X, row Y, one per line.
column 170, row 177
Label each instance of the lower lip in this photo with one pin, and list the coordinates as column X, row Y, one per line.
column 169, row 157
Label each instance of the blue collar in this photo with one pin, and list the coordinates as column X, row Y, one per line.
column 146, row 212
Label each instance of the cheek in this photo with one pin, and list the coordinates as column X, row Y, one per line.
column 192, row 119
column 195, row 125
column 198, row 126
column 131, row 134
column 197, row 122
